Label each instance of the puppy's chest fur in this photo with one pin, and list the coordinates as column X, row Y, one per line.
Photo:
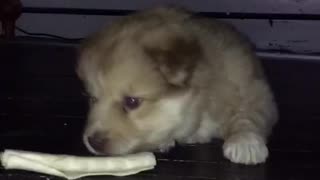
column 199, row 123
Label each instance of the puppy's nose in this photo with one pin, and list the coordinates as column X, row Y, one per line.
column 98, row 141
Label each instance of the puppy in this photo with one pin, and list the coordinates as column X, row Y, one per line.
column 164, row 76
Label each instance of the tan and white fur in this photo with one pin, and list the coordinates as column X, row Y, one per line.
column 195, row 78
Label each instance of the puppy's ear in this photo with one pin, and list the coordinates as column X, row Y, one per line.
column 176, row 58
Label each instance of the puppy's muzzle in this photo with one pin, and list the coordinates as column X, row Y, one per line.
column 97, row 143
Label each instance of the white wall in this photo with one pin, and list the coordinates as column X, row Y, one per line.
column 298, row 36
column 262, row 6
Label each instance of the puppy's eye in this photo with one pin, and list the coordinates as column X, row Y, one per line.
column 130, row 103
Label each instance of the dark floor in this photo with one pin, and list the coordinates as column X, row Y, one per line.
column 42, row 109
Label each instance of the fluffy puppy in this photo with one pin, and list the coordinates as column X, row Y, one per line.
column 164, row 76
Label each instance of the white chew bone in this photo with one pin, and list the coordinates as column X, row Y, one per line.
column 73, row 167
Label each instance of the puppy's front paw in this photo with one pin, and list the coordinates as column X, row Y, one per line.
column 196, row 139
column 166, row 146
column 246, row 148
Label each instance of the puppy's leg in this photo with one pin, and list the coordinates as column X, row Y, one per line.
column 164, row 147
column 246, row 133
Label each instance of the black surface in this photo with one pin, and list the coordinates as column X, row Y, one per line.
column 42, row 109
